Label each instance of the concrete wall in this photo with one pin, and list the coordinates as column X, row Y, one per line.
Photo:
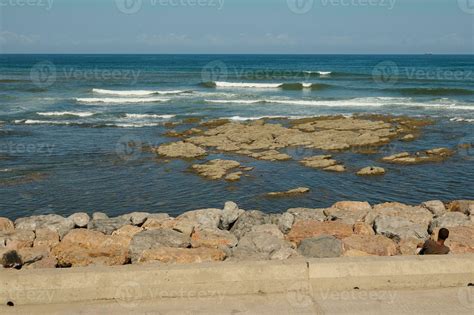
column 127, row 284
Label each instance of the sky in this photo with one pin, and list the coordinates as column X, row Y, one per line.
column 237, row 26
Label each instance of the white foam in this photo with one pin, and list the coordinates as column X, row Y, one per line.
column 121, row 100
column 40, row 122
column 236, row 101
column 78, row 114
column 461, row 119
column 248, row 85
column 135, row 92
column 319, row 72
column 240, row 118
column 144, row 116
column 132, row 125
column 307, row 85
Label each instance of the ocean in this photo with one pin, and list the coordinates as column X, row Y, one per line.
column 71, row 128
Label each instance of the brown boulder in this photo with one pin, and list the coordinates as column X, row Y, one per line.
column 46, row 237
column 362, row 228
column 371, row 244
column 170, row 255
column 311, row 228
column 17, row 239
column 213, row 238
column 6, row 225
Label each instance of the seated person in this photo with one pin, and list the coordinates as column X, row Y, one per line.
column 431, row 247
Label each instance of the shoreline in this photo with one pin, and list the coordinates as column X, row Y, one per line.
column 347, row 228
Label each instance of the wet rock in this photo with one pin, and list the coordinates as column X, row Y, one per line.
column 449, row 220
column 80, row 219
column 319, row 161
column 154, row 239
column 180, row 150
column 51, row 221
column 215, row 169
column 408, row 137
column 308, row 214
column 371, row 244
column 323, row 246
column 433, row 155
column 463, row 206
column 203, row 218
column 335, row 168
column 46, row 237
column 170, row 255
column 399, row 228
column 436, row 207
column 6, row 225
column 371, row 170
column 362, row 228
column 107, row 226
column 348, row 212
column 246, row 222
column 270, row 155
column 285, row 222
column 291, row 192
column 82, row 247
column 311, row 228
column 230, row 214
column 213, row 238
column 232, row 177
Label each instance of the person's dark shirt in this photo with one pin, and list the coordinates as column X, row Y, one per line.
column 433, row 248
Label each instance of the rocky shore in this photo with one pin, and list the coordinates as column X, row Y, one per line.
column 347, row 228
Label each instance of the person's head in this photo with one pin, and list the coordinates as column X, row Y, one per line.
column 443, row 234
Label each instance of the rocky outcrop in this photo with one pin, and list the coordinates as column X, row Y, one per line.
column 323, row 246
column 215, row 169
column 180, row 150
column 51, row 221
column 371, row 170
column 433, row 155
column 324, row 162
column 291, row 192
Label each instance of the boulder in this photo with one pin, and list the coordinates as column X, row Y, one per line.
column 30, row 255
column 127, row 231
column 51, row 221
column 449, row 220
column 291, row 192
column 348, row 212
column 307, row 214
column 80, row 219
column 180, row 150
column 171, row 255
column 153, row 239
column 362, row 228
column 371, row 170
column 46, row 237
column 17, row 239
column 230, row 214
column 136, row 218
column 232, row 177
column 464, row 206
column 246, row 222
column 415, row 214
column 155, row 223
column 82, row 247
column 285, row 222
column 436, row 207
column 204, row 218
column 399, row 228
column 312, row 228
column 6, row 225
column 213, row 238
column 409, row 246
column 107, row 226
column 99, row 216
column 215, row 169
column 371, row 244
column 323, row 246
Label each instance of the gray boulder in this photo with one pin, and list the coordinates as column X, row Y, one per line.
column 230, row 214
column 138, row 218
column 399, row 228
column 246, row 222
column 323, row 246
column 435, row 206
column 285, row 222
column 450, row 219
column 99, row 216
column 307, row 214
column 107, row 226
column 203, row 218
column 157, row 238
column 80, row 219
column 54, row 222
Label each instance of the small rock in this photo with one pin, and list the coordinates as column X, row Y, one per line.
column 371, row 170
column 323, row 246
column 285, row 222
column 335, row 168
column 408, row 246
column 232, row 177
column 230, row 214
column 180, row 150
column 136, row 218
column 435, row 206
column 295, row 191
column 80, row 219
column 408, row 137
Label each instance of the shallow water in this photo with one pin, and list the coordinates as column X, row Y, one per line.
column 64, row 145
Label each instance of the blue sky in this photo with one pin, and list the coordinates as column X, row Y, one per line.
column 237, row 26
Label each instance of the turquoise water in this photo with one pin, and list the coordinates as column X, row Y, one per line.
column 68, row 119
